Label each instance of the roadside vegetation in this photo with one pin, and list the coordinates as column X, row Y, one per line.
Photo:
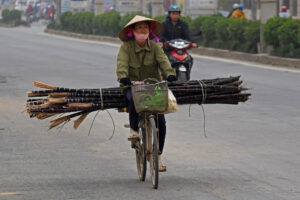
column 283, row 34
column 12, row 17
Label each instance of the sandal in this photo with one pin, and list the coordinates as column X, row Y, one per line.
column 133, row 135
column 161, row 167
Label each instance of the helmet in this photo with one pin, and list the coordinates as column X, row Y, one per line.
column 174, row 8
column 241, row 6
column 283, row 8
column 235, row 6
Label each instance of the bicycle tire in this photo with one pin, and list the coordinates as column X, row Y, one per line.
column 154, row 156
column 141, row 155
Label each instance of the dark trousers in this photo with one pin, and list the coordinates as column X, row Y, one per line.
column 134, row 120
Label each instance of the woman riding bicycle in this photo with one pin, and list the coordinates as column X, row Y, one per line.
column 140, row 58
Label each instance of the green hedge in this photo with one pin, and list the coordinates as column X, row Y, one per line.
column 107, row 24
column 251, row 35
column 161, row 19
column 66, row 21
column 214, row 31
column 129, row 17
column 188, row 20
column 126, row 19
column 82, row 22
column 284, row 35
column 208, row 30
column 11, row 17
column 228, row 33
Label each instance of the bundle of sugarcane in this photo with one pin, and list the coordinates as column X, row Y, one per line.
column 212, row 91
column 80, row 102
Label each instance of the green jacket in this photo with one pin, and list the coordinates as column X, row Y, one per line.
column 129, row 62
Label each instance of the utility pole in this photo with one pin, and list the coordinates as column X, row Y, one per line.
column 12, row 4
column 254, row 9
column 58, row 11
column 99, row 7
column 267, row 11
column 157, row 8
column 294, row 8
column 298, row 9
column 145, row 6
column 278, row 3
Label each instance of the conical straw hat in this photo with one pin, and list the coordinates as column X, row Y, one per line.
column 155, row 26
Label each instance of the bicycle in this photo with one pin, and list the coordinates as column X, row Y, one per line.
column 146, row 148
column 153, row 98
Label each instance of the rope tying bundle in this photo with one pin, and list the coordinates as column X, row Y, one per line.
column 204, row 92
column 101, row 99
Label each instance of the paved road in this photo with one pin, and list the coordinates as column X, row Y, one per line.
column 252, row 149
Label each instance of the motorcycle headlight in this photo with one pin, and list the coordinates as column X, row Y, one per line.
column 182, row 68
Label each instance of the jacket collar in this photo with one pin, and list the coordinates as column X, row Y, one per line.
column 170, row 21
column 139, row 49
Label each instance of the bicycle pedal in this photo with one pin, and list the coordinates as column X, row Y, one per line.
column 133, row 139
column 133, row 145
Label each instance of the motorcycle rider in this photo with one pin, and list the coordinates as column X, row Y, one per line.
column 239, row 13
column 234, row 8
column 29, row 12
column 284, row 12
column 174, row 28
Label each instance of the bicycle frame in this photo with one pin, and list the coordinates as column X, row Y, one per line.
column 147, row 148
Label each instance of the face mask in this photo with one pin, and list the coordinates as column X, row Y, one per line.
column 140, row 36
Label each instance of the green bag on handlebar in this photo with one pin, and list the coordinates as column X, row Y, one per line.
column 150, row 97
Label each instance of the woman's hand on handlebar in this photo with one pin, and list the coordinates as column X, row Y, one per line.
column 171, row 78
column 125, row 81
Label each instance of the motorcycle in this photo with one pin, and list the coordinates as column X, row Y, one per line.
column 30, row 18
column 180, row 59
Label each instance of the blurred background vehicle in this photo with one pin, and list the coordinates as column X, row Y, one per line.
column 21, row 5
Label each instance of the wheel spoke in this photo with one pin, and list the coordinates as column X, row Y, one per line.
column 140, row 157
column 154, row 155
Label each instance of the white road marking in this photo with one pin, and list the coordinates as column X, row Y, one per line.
column 9, row 193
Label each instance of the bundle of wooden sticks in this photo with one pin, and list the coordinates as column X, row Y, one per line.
column 80, row 102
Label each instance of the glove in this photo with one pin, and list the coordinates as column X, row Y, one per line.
column 171, row 78
column 194, row 45
column 125, row 81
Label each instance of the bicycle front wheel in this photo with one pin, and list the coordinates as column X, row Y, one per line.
column 140, row 153
column 154, row 155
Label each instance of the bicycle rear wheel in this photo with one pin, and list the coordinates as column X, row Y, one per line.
column 141, row 156
column 154, row 154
